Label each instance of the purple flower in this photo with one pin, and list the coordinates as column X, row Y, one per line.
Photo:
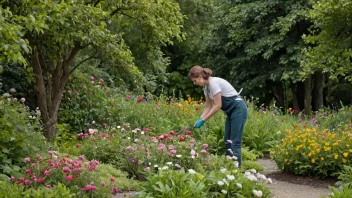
column 314, row 121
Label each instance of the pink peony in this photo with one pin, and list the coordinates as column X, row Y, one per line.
column 27, row 159
column 68, row 178
column 40, row 180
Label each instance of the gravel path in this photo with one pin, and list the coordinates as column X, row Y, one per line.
column 291, row 186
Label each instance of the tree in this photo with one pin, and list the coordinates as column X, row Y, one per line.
column 57, row 31
column 257, row 44
column 330, row 39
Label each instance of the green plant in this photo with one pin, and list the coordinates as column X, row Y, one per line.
column 173, row 184
column 20, row 128
column 77, row 174
column 16, row 191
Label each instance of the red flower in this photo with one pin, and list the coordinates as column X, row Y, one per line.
column 139, row 99
column 78, row 145
column 181, row 138
column 112, row 179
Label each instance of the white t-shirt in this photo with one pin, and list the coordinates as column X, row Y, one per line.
column 217, row 85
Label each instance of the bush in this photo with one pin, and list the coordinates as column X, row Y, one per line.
column 19, row 128
column 78, row 175
column 313, row 152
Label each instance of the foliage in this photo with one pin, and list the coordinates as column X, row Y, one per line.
column 330, row 39
column 249, row 37
column 312, row 151
column 344, row 184
column 172, row 184
column 77, row 174
column 15, row 191
column 107, row 171
column 217, row 183
column 88, row 101
column 19, row 127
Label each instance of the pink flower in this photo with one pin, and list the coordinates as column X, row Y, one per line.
column 28, row 171
column 203, row 151
column 27, row 182
column 68, row 178
column 103, row 184
column 147, row 168
column 34, row 164
column 40, row 180
column 12, row 178
column 205, row 146
column 229, row 141
column 23, row 100
column 91, row 77
column 27, row 159
column 66, row 169
column 101, row 80
column 89, row 188
column 112, row 179
column 33, row 178
column 92, row 82
column 46, row 173
column 115, row 191
column 47, row 186
column 12, row 90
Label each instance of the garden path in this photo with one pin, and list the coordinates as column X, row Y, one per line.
column 291, row 186
column 284, row 185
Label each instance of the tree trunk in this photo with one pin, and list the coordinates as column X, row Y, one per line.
column 308, row 95
column 49, row 86
column 294, row 97
column 279, row 95
column 318, row 96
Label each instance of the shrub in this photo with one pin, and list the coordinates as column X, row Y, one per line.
column 78, row 175
column 19, row 128
column 313, row 152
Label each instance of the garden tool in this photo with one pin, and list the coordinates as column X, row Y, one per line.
column 187, row 128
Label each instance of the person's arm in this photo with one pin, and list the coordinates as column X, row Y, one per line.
column 217, row 105
column 208, row 105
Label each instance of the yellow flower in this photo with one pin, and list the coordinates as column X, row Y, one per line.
column 313, row 161
column 350, row 150
column 272, row 153
column 317, row 150
column 336, row 156
column 285, row 160
column 327, row 148
column 345, row 154
column 344, row 160
column 335, row 144
column 322, row 158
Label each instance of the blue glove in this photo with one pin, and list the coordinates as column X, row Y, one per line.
column 199, row 123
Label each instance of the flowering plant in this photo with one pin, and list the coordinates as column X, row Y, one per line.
column 77, row 174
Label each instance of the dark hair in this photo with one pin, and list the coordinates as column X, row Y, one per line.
column 197, row 71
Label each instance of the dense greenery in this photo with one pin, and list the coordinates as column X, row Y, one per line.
column 101, row 86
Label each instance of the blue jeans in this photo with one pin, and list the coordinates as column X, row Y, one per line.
column 234, row 126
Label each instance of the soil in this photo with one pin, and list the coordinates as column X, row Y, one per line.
column 285, row 185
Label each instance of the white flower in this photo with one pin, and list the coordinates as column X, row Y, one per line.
column 247, row 173
column 252, row 177
column 224, row 192
column 234, row 157
column 142, row 132
column 221, row 183
column 128, row 138
column 134, row 131
column 239, row 185
column 191, row 171
column 236, row 164
column 169, row 163
column 136, row 140
column 253, row 170
column 91, row 131
column 155, row 166
column 165, row 168
column 222, row 170
column 93, row 122
column 261, row 176
column 178, row 156
column 118, row 127
column 269, row 181
column 225, row 181
column 230, row 177
column 258, row 193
